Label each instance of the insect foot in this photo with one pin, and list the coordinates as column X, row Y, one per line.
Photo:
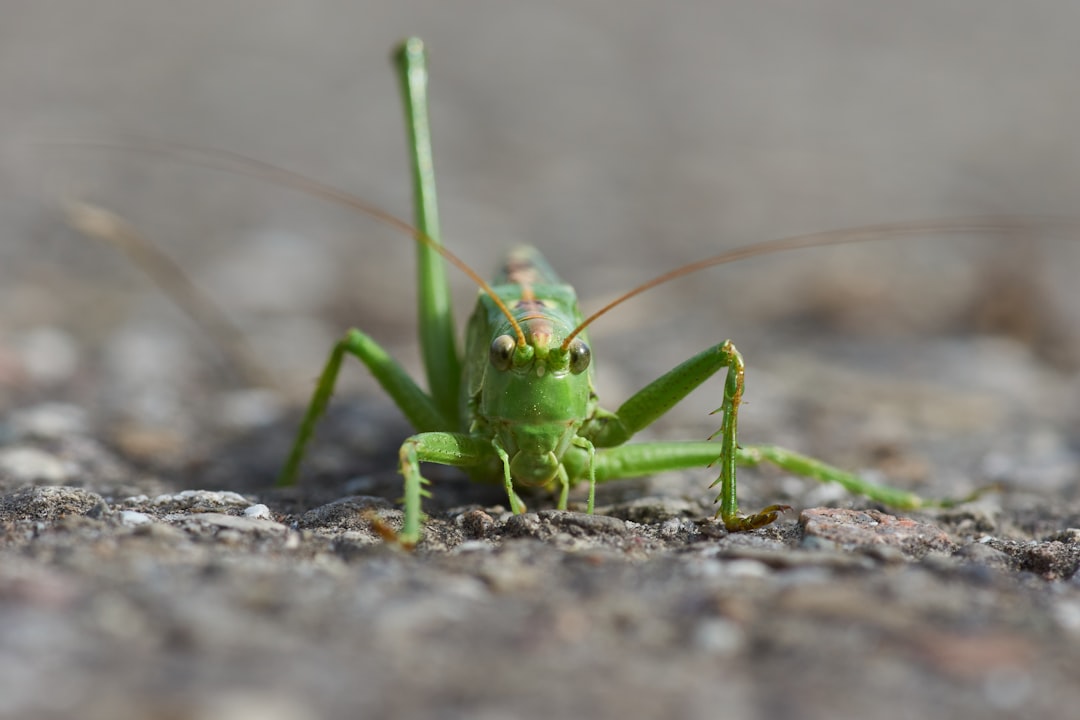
column 744, row 523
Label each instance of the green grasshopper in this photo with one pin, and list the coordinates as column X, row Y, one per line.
column 520, row 409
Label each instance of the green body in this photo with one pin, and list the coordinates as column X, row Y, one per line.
column 538, row 433
column 521, row 408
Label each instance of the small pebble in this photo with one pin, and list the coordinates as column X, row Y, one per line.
column 260, row 512
column 476, row 523
column 671, row 528
column 133, row 517
column 746, row 569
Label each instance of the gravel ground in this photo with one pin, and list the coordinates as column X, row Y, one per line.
column 149, row 569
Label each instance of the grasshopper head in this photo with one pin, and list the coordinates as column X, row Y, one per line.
column 536, row 396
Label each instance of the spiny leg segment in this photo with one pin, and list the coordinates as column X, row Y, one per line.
column 729, row 414
column 444, row 448
column 609, row 430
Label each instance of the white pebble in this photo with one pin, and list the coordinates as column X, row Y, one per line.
column 259, row 511
column 747, row 568
column 133, row 517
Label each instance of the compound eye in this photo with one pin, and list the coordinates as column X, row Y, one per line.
column 579, row 356
column 502, row 352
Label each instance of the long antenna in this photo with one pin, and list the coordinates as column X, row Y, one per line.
column 230, row 162
column 108, row 227
column 988, row 224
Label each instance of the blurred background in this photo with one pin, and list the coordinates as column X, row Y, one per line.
column 622, row 138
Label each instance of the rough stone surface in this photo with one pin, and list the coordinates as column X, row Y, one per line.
column 150, row 568
column 862, row 528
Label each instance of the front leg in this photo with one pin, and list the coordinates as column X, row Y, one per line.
column 638, row 460
column 729, row 413
column 610, row 429
column 444, row 448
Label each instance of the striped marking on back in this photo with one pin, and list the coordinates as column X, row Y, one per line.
column 524, row 265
